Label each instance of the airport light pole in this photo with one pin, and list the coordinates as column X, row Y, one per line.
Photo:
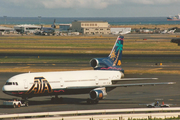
column 5, row 19
column 39, row 17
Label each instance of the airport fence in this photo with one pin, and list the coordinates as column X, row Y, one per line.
column 115, row 114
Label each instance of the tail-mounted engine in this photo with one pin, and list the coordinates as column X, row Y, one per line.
column 94, row 63
column 98, row 93
column 104, row 64
column 100, row 62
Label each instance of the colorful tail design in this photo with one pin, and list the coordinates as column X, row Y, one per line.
column 113, row 61
column 116, row 53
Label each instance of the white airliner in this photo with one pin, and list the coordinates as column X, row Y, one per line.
column 107, row 71
column 120, row 31
column 47, row 30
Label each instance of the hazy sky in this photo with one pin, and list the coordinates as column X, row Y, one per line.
column 89, row 8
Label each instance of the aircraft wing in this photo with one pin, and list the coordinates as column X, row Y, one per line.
column 140, row 84
column 121, row 85
column 131, row 79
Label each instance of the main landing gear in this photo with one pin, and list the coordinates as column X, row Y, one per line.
column 25, row 101
column 56, row 99
column 90, row 101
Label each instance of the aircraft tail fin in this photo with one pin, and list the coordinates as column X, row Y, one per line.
column 116, row 52
column 53, row 25
column 113, row 61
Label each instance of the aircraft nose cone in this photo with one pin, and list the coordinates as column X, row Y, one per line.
column 4, row 88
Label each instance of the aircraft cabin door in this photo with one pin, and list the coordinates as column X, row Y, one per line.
column 96, row 80
column 61, row 82
column 25, row 84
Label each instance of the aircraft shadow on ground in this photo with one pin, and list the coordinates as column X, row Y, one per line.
column 65, row 101
column 76, row 101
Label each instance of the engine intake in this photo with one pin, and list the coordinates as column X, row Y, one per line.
column 94, row 63
column 96, row 94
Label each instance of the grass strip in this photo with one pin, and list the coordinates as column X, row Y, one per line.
column 29, row 69
column 152, row 71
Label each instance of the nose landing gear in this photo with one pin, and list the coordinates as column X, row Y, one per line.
column 56, row 99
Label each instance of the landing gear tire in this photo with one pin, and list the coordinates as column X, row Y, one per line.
column 19, row 105
column 56, row 100
column 14, row 106
column 96, row 101
column 89, row 101
column 52, row 99
column 26, row 103
column 60, row 99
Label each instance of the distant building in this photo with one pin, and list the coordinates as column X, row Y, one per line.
column 26, row 28
column 91, row 27
column 64, row 27
column 5, row 29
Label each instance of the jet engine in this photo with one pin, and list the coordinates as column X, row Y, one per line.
column 99, row 62
column 94, row 63
column 98, row 93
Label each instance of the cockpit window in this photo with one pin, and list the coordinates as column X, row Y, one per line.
column 8, row 83
column 11, row 83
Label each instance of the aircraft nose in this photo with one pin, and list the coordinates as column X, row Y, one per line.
column 7, row 88
column 4, row 88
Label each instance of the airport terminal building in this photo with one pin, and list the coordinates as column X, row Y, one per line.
column 91, row 27
column 64, row 27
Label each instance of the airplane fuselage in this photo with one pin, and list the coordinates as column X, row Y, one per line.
column 59, row 83
column 48, row 30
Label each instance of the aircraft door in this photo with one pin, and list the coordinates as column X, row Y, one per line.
column 61, row 82
column 96, row 80
column 25, row 84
